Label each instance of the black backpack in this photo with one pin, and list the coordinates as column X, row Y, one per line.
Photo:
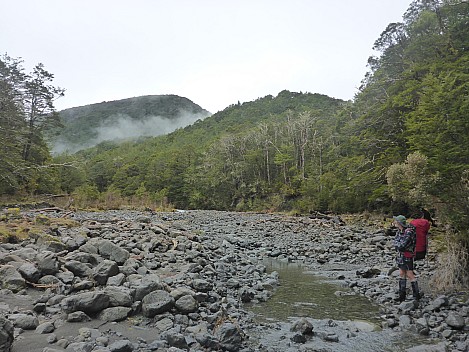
column 405, row 240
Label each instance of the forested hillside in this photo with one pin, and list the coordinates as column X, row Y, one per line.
column 85, row 126
column 402, row 143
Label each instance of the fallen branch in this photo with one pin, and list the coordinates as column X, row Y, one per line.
column 51, row 209
column 42, row 285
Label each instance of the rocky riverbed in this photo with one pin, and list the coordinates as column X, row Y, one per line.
column 142, row 281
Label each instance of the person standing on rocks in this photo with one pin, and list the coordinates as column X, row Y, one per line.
column 405, row 261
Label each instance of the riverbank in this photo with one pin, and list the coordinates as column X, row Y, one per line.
column 141, row 281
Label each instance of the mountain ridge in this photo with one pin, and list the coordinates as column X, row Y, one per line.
column 150, row 115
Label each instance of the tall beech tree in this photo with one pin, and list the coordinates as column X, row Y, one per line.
column 26, row 111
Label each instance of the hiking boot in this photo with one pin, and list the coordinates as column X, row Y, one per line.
column 402, row 290
column 415, row 291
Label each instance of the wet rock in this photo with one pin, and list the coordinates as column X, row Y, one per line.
column 6, row 334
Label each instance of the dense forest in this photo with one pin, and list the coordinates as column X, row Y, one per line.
column 402, row 143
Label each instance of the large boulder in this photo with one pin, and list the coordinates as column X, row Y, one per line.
column 115, row 313
column 24, row 321
column 229, row 336
column 30, row 272
column 112, row 251
column 157, row 302
column 186, row 304
column 145, row 285
column 118, row 296
column 11, row 279
column 88, row 302
column 47, row 263
column 104, row 270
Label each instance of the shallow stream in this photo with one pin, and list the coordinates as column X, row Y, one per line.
column 334, row 311
column 303, row 294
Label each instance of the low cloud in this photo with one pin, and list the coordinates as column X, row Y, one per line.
column 123, row 127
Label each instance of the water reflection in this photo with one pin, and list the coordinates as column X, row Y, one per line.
column 302, row 294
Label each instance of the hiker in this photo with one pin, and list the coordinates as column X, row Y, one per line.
column 422, row 226
column 405, row 259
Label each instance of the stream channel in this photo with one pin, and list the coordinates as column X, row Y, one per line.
column 342, row 320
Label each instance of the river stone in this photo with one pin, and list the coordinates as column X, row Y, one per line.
column 78, row 268
column 303, row 326
column 77, row 317
column 28, row 254
column 104, row 270
column 115, row 313
column 47, row 263
column 404, row 321
column 145, row 285
column 229, row 336
column 176, row 340
column 121, row 346
column 88, row 302
column 157, row 302
column 66, row 277
column 186, row 304
column 116, row 280
column 298, row 338
column 79, row 347
column 202, row 285
column 455, row 320
column 441, row 347
column 437, row 303
column 6, row 334
column 164, row 324
column 118, row 296
column 49, row 280
column 24, row 321
column 181, row 291
column 30, row 272
column 112, row 251
column 11, row 279
column 45, row 328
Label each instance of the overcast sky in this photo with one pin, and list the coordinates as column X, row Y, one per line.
column 213, row 52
